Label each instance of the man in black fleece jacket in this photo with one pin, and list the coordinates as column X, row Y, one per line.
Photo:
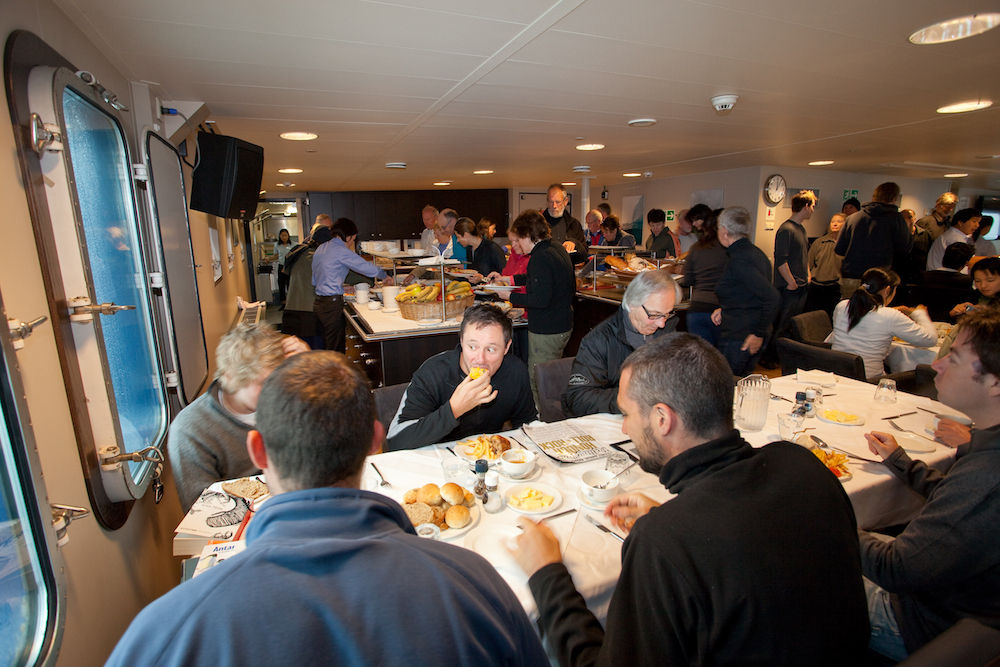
column 755, row 562
column 946, row 564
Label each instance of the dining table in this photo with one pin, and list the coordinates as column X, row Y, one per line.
column 593, row 555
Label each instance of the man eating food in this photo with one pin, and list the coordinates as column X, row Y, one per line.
column 475, row 388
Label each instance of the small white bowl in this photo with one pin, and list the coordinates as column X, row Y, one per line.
column 374, row 305
column 517, row 462
column 591, row 479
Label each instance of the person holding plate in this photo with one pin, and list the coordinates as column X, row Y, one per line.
column 446, row 400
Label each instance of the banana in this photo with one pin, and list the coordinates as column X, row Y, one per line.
column 432, row 295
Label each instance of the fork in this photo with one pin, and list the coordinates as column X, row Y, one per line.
column 381, row 479
column 892, row 422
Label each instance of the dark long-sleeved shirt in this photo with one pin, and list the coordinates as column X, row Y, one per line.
column 946, row 564
column 487, row 258
column 791, row 247
column 568, row 228
column 551, row 285
column 875, row 236
column 425, row 417
column 704, row 266
column 748, row 299
column 755, row 562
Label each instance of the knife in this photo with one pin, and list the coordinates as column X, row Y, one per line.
column 601, row 526
column 902, row 414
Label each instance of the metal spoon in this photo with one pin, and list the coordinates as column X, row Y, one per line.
column 378, row 472
column 623, row 471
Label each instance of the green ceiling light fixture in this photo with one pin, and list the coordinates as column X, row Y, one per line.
column 955, row 29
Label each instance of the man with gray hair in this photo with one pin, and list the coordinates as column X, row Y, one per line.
column 646, row 313
column 740, row 567
column 748, row 300
column 429, row 216
column 594, row 219
column 936, row 223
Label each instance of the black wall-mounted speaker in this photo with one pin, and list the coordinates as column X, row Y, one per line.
column 226, row 179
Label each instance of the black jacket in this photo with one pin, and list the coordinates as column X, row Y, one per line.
column 748, row 299
column 593, row 382
column 551, row 286
column 425, row 417
column 755, row 562
column 488, row 257
column 875, row 236
column 568, row 228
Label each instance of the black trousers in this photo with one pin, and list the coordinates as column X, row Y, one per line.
column 330, row 311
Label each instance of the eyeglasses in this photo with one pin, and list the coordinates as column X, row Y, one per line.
column 656, row 316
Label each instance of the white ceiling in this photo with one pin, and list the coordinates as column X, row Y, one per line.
column 449, row 86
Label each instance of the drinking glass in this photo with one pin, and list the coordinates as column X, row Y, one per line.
column 789, row 424
column 886, row 391
column 616, row 462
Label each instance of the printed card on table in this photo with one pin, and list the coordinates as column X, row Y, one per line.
column 566, row 442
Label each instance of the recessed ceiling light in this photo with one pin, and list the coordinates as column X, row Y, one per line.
column 568, row 183
column 581, row 169
column 642, row 122
column 442, row 182
column 395, row 165
column 482, row 172
column 968, row 105
column 958, row 28
column 290, row 170
column 988, row 157
column 263, row 192
column 590, row 147
column 298, row 136
column 632, row 174
column 286, row 184
column 820, row 163
column 959, row 175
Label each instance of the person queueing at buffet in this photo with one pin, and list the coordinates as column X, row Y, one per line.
column 564, row 229
column 550, row 288
column 314, row 584
column 646, row 313
column 661, row 242
column 206, row 442
column 331, row 263
column 485, row 256
column 447, row 400
column 740, row 567
column 614, row 235
column 945, row 565
column 865, row 324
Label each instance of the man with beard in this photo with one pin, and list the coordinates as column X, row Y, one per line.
column 742, row 566
column 565, row 229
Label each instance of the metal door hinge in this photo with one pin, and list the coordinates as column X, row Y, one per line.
column 62, row 517
column 20, row 330
column 81, row 310
column 45, row 136
column 171, row 379
column 156, row 279
column 140, row 173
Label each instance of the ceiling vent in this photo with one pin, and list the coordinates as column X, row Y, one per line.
column 581, row 169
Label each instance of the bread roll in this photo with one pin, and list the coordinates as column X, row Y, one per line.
column 410, row 496
column 419, row 513
column 458, row 516
column 470, row 499
column 453, row 493
column 430, row 494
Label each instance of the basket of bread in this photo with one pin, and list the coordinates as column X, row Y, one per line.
column 421, row 302
column 449, row 506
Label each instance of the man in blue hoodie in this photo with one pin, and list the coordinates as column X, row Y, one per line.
column 331, row 574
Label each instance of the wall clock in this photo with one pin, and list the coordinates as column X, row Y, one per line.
column 774, row 189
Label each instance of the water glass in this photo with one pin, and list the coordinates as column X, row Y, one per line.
column 789, row 424
column 616, row 462
column 886, row 391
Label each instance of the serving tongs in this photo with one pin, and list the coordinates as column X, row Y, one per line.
column 827, row 448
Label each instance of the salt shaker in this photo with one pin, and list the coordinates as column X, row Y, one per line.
column 494, row 501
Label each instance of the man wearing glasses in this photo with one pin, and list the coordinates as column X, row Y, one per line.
column 646, row 313
column 566, row 230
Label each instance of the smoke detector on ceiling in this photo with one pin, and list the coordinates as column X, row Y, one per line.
column 581, row 169
column 724, row 102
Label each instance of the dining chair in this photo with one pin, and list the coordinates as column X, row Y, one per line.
column 552, row 377
column 794, row 355
column 812, row 327
column 387, row 401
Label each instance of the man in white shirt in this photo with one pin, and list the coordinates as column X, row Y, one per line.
column 429, row 215
column 962, row 225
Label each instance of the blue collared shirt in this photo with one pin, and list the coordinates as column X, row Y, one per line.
column 331, row 263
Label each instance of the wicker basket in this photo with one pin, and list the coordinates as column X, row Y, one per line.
column 425, row 310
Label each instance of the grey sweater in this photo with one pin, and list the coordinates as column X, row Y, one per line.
column 206, row 444
column 946, row 564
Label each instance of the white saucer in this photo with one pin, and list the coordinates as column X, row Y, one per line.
column 390, row 310
column 590, row 502
column 429, row 322
column 534, row 473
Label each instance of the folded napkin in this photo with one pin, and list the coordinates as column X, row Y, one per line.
column 822, row 378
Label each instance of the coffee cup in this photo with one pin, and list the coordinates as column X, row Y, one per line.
column 517, row 462
column 361, row 296
column 389, row 294
column 592, row 479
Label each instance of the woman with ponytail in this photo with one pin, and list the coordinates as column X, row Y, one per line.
column 865, row 324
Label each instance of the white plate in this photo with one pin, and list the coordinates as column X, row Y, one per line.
column 452, row 533
column 429, row 322
column 390, row 310
column 857, row 422
column 913, row 443
column 464, row 452
column 497, row 288
column 494, row 545
column 544, row 488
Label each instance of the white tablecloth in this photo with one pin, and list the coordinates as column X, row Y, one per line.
column 593, row 557
column 905, row 357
